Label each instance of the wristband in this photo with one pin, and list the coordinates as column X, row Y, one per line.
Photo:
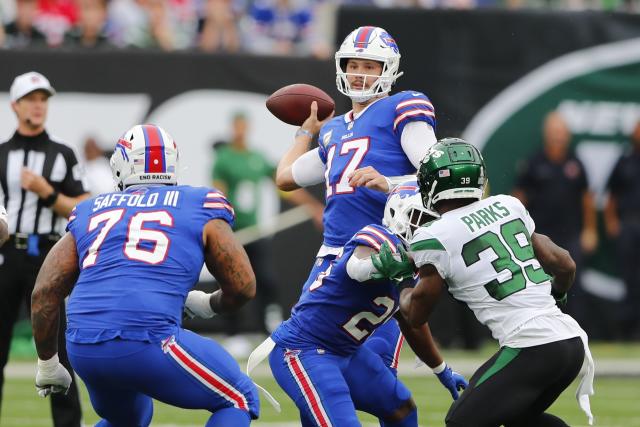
column 441, row 367
column 50, row 199
column 301, row 131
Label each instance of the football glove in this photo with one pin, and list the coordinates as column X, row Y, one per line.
column 52, row 377
column 453, row 381
column 389, row 267
column 198, row 305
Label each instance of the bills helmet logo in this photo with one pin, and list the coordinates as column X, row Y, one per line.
column 389, row 41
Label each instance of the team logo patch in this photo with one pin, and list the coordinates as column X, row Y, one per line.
column 432, row 154
column 326, row 138
column 291, row 353
column 390, row 42
column 168, row 342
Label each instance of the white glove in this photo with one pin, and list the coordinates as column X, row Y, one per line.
column 3, row 214
column 198, row 305
column 52, row 377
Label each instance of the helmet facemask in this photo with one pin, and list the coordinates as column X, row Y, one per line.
column 404, row 212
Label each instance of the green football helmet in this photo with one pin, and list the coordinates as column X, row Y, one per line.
column 452, row 169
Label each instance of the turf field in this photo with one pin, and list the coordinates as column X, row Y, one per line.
column 616, row 402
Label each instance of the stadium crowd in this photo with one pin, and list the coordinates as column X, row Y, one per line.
column 276, row 27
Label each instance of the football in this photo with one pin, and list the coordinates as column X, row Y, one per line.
column 292, row 103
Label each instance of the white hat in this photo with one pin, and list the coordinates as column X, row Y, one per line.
column 26, row 83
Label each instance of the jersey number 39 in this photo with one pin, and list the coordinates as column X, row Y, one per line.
column 518, row 245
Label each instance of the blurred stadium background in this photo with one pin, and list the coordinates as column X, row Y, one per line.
column 493, row 68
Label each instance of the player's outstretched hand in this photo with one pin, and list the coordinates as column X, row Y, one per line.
column 389, row 267
column 52, row 377
column 453, row 381
column 312, row 124
column 369, row 177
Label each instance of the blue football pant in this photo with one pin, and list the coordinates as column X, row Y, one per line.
column 328, row 388
column 386, row 341
column 184, row 370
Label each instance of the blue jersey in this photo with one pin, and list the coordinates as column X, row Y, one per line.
column 337, row 313
column 373, row 139
column 140, row 252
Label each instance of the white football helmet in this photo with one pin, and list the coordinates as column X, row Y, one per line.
column 404, row 211
column 372, row 43
column 145, row 154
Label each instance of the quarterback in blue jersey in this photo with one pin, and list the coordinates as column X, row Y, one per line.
column 372, row 147
column 317, row 356
column 129, row 260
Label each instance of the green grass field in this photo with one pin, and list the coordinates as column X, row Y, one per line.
column 615, row 404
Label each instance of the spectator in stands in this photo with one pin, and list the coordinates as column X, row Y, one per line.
column 279, row 27
column 239, row 171
column 218, row 29
column 622, row 223
column 553, row 185
column 55, row 18
column 153, row 24
column 128, row 22
column 98, row 171
column 89, row 31
column 22, row 32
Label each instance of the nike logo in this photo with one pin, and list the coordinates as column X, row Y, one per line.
column 416, row 94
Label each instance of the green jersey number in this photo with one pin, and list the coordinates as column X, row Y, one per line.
column 522, row 251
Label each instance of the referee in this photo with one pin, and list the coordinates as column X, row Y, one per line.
column 40, row 183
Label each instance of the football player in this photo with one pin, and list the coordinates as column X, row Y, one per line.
column 382, row 136
column 487, row 254
column 129, row 259
column 318, row 357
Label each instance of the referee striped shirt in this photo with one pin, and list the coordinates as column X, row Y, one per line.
column 45, row 156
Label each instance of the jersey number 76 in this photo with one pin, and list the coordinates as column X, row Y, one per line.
column 135, row 234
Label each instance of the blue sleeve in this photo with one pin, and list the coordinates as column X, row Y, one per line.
column 413, row 107
column 374, row 236
column 77, row 221
column 322, row 149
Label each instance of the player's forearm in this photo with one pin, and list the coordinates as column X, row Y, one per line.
column 227, row 302
column 55, row 280
column 421, row 342
column 44, row 322
column 554, row 260
column 284, row 174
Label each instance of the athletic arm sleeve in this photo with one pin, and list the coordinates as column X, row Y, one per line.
column 360, row 270
column 308, row 169
column 417, row 138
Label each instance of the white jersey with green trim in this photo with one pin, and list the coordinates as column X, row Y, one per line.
column 484, row 253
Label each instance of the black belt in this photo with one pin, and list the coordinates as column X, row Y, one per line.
column 21, row 240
